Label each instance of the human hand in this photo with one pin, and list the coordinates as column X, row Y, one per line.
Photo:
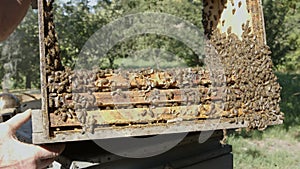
column 16, row 154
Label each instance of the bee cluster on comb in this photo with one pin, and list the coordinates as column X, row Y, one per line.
column 236, row 86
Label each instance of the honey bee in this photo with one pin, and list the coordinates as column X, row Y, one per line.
column 215, row 17
column 81, row 115
column 60, row 89
column 225, row 137
column 239, row 4
column 144, row 113
column 51, row 103
column 68, row 96
column 223, row 22
column 91, row 124
column 151, row 113
column 233, row 11
column 57, row 64
column 170, row 95
column 64, row 117
column 229, row 29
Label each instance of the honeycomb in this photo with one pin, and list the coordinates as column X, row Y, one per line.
column 237, row 84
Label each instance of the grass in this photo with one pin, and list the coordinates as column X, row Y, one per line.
column 278, row 146
column 274, row 148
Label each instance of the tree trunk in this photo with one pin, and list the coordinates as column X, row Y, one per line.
column 28, row 82
column 111, row 62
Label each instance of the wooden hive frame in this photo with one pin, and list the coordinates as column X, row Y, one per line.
column 228, row 17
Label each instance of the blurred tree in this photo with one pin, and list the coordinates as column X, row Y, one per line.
column 77, row 20
column 282, row 20
column 73, row 26
column 185, row 11
column 21, row 51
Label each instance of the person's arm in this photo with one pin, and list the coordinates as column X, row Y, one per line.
column 16, row 154
column 11, row 14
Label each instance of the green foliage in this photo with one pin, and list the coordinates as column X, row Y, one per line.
column 282, row 20
column 76, row 21
column 290, row 98
column 187, row 11
column 73, row 22
column 21, row 52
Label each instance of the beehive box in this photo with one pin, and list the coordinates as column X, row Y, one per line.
column 240, row 91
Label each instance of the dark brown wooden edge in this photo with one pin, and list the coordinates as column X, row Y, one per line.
column 44, row 112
